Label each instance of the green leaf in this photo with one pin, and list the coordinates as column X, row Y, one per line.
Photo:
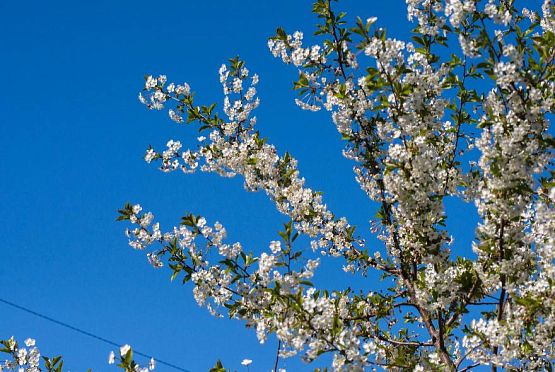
column 218, row 367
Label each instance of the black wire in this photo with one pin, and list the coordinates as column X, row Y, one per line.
column 88, row 334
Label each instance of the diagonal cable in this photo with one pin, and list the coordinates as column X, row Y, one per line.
column 22, row 308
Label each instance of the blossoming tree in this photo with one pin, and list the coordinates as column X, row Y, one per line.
column 460, row 111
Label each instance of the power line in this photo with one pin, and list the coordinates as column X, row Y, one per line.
column 88, row 334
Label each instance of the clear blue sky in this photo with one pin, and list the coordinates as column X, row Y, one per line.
column 73, row 136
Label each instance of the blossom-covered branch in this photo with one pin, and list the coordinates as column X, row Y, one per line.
column 459, row 112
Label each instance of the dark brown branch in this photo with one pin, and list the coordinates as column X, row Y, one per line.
column 277, row 356
column 501, row 303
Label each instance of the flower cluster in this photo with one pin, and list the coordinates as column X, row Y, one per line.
column 22, row 358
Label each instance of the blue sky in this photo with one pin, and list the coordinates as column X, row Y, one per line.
column 73, row 136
